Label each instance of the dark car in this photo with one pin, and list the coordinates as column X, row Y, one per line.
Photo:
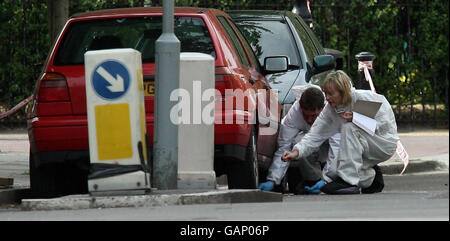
column 283, row 33
column 57, row 123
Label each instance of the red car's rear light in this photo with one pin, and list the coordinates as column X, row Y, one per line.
column 53, row 87
column 224, row 80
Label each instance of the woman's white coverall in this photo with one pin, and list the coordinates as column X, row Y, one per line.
column 358, row 151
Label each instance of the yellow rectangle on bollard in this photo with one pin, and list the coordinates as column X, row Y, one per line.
column 112, row 122
column 143, row 131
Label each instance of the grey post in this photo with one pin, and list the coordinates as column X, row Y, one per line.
column 361, row 82
column 165, row 145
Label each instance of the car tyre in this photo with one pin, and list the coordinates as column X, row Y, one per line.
column 54, row 180
column 244, row 174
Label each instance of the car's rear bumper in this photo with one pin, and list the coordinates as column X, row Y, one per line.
column 58, row 133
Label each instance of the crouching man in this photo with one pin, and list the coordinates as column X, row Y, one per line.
column 294, row 127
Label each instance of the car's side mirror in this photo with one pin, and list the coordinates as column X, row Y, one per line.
column 274, row 64
column 338, row 57
column 323, row 63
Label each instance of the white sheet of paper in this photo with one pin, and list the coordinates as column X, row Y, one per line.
column 366, row 107
column 366, row 123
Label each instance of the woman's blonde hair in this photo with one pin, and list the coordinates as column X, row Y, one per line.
column 340, row 80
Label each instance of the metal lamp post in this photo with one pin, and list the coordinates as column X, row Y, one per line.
column 165, row 147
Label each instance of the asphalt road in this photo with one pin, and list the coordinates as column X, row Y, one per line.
column 422, row 196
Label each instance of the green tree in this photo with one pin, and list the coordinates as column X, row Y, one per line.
column 24, row 45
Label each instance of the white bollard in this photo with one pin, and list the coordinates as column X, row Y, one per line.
column 116, row 121
column 196, row 132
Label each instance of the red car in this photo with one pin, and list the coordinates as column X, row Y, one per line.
column 57, row 122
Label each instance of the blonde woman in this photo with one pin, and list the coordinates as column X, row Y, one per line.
column 359, row 152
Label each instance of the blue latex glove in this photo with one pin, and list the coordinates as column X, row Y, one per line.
column 266, row 186
column 315, row 189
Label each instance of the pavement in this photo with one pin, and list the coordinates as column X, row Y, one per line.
column 428, row 151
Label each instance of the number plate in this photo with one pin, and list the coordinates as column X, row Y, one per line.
column 149, row 88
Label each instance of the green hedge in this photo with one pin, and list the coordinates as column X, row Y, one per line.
column 409, row 39
column 24, row 45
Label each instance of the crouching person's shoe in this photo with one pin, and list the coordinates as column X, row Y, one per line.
column 377, row 184
column 300, row 189
column 339, row 186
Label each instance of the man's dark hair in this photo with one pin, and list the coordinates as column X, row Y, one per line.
column 312, row 99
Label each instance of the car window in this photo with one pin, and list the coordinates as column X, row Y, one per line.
column 313, row 37
column 308, row 44
column 250, row 50
column 235, row 41
column 270, row 38
column 136, row 33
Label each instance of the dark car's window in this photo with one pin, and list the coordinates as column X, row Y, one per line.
column 316, row 42
column 270, row 38
column 136, row 33
column 250, row 51
column 235, row 41
column 308, row 44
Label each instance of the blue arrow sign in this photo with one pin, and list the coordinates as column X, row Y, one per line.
column 111, row 79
